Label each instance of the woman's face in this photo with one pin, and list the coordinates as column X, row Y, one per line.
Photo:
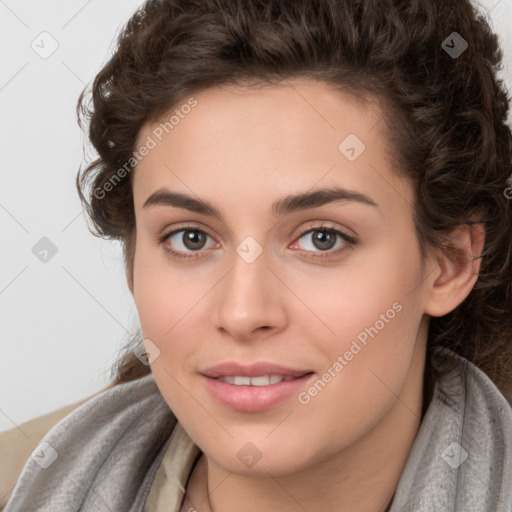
column 296, row 257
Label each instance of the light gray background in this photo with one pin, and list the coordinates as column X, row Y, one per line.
column 62, row 322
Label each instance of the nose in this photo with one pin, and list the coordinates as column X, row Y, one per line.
column 250, row 301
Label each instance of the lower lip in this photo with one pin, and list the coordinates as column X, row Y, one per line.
column 254, row 398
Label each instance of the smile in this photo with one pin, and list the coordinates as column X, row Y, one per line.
column 257, row 393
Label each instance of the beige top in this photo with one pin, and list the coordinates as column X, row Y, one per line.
column 168, row 488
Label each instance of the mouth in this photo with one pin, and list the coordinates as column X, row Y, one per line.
column 253, row 388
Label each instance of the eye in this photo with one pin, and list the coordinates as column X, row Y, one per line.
column 322, row 239
column 185, row 240
column 320, row 242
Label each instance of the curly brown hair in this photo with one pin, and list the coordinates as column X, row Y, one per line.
column 446, row 116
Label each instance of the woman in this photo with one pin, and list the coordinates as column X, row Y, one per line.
column 313, row 201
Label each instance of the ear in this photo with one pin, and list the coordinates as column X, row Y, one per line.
column 456, row 268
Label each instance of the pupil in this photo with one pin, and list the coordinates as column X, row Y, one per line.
column 324, row 239
column 193, row 239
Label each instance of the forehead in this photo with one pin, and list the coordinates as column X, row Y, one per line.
column 236, row 142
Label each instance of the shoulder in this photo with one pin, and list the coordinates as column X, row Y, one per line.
column 18, row 443
column 109, row 446
column 462, row 452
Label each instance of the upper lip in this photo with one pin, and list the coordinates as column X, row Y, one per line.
column 251, row 370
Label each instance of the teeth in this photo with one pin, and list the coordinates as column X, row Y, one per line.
column 263, row 380
column 242, row 381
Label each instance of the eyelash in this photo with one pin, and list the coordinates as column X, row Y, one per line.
column 349, row 242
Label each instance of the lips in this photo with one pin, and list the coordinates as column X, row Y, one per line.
column 253, row 388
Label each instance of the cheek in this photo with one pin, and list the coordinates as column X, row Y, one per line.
column 165, row 299
column 373, row 313
column 164, row 293
column 360, row 297
column 367, row 366
column 376, row 319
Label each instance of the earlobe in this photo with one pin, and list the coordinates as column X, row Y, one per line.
column 457, row 265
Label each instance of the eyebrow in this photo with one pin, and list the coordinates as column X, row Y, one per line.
column 281, row 207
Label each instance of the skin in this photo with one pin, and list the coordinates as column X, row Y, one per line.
column 241, row 149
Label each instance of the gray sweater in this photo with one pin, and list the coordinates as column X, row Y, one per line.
column 104, row 455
